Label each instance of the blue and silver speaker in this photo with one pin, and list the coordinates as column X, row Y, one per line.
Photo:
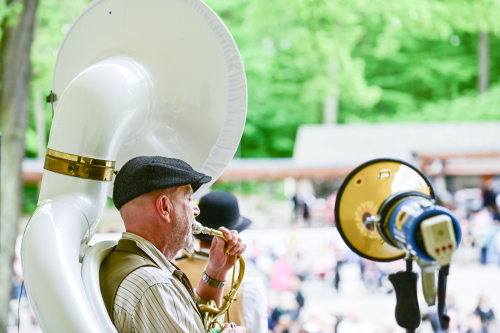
column 385, row 211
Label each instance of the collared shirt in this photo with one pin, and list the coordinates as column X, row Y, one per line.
column 255, row 305
column 154, row 300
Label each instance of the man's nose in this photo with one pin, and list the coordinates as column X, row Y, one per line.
column 196, row 209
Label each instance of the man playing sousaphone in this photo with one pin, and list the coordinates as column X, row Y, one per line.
column 142, row 290
column 220, row 208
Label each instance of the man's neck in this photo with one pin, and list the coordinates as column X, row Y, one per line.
column 161, row 243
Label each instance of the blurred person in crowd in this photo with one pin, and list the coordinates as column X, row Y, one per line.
column 282, row 274
column 296, row 327
column 284, row 324
column 20, row 310
column 489, row 195
column 493, row 244
column 330, row 206
column 321, row 323
column 306, row 215
column 390, row 326
column 285, row 313
column 354, row 324
column 371, row 274
column 309, row 201
column 454, row 323
column 496, row 213
column 341, row 255
column 17, row 290
column 482, row 224
column 325, row 264
column 295, row 288
column 336, row 279
column 296, row 206
column 433, row 317
column 485, row 312
column 474, row 324
column 220, row 209
column 254, row 252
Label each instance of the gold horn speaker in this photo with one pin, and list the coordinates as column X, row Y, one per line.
column 360, row 200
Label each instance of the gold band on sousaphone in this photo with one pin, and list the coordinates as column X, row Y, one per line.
column 210, row 311
column 79, row 166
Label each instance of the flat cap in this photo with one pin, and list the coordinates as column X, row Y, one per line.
column 146, row 174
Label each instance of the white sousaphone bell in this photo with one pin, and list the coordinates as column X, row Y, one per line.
column 132, row 77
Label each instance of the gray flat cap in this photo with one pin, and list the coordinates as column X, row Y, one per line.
column 146, row 174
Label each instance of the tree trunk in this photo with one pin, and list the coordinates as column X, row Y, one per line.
column 484, row 63
column 14, row 105
column 331, row 102
column 40, row 122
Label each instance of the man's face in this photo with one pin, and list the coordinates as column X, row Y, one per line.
column 184, row 212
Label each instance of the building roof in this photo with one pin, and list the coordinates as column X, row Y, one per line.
column 332, row 151
column 349, row 145
column 279, row 168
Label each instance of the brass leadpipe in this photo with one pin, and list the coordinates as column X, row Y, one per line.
column 200, row 229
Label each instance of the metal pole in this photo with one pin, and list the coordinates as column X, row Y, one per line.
column 409, row 268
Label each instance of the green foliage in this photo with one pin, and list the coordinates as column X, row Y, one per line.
column 386, row 60
column 30, row 198
column 54, row 18
column 10, row 12
column 469, row 107
column 274, row 189
column 31, row 142
column 288, row 53
column 245, row 188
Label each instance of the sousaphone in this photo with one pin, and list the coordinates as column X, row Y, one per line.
column 132, row 77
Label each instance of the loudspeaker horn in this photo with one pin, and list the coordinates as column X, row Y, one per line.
column 361, row 199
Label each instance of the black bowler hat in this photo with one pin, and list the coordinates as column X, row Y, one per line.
column 146, row 174
column 220, row 209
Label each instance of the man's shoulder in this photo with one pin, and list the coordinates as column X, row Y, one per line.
column 145, row 277
column 137, row 283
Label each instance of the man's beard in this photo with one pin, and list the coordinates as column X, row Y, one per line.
column 182, row 235
column 190, row 248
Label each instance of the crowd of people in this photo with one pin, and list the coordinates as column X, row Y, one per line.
column 299, row 258
column 286, row 271
column 292, row 265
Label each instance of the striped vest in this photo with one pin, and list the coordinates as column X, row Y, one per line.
column 126, row 258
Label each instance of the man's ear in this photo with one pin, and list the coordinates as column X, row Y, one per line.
column 164, row 207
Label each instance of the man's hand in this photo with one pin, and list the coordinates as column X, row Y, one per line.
column 228, row 329
column 219, row 262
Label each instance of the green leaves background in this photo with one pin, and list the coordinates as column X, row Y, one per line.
column 395, row 61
